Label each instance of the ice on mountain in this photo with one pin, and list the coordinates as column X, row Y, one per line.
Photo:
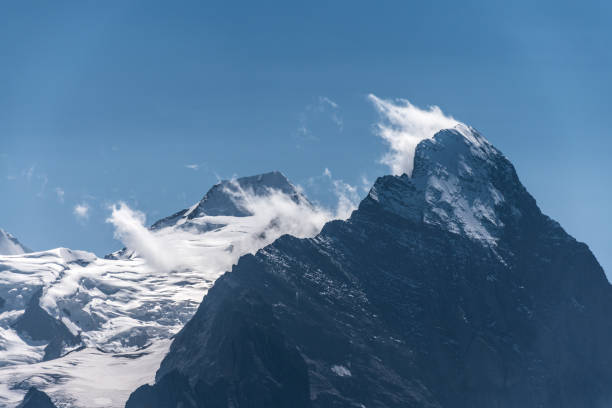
column 9, row 245
column 341, row 371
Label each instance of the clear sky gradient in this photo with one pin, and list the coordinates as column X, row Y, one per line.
column 149, row 102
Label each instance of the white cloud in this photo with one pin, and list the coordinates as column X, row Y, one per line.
column 273, row 214
column 404, row 126
column 347, row 195
column 81, row 211
column 276, row 214
column 130, row 229
column 192, row 166
column 326, row 100
column 60, row 194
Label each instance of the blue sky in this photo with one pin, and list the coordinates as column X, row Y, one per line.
column 109, row 101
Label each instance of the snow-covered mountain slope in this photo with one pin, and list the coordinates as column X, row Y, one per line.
column 9, row 245
column 448, row 288
column 70, row 321
column 87, row 378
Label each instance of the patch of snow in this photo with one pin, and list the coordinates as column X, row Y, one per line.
column 341, row 371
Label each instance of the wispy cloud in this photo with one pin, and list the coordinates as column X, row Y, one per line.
column 334, row 112
column 303, row 130
column 403, row 126
column 29, row 172
column 130, row 229
column 272, row 214
column 44, row 181
column 366, row 184
column 33, row 177
column 81, row 211
column 326, row 100
column 192, row 166
column 60, row 194
column 338, row 121
column 346, row 194
column 316, row 113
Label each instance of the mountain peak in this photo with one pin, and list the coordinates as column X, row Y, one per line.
column 445, row 288
column 456, row 143
column 223, row 199
column 457, row 184
column 271, row 180
column 9, row 245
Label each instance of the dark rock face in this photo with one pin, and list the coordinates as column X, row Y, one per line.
column 445, row 289
column 36, row 324
column 36, row 399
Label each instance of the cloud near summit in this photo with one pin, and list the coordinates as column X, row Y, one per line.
column 272, row 214
column 403, row 126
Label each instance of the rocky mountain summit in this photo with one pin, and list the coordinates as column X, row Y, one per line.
column 221, row 198
column 446, row 288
